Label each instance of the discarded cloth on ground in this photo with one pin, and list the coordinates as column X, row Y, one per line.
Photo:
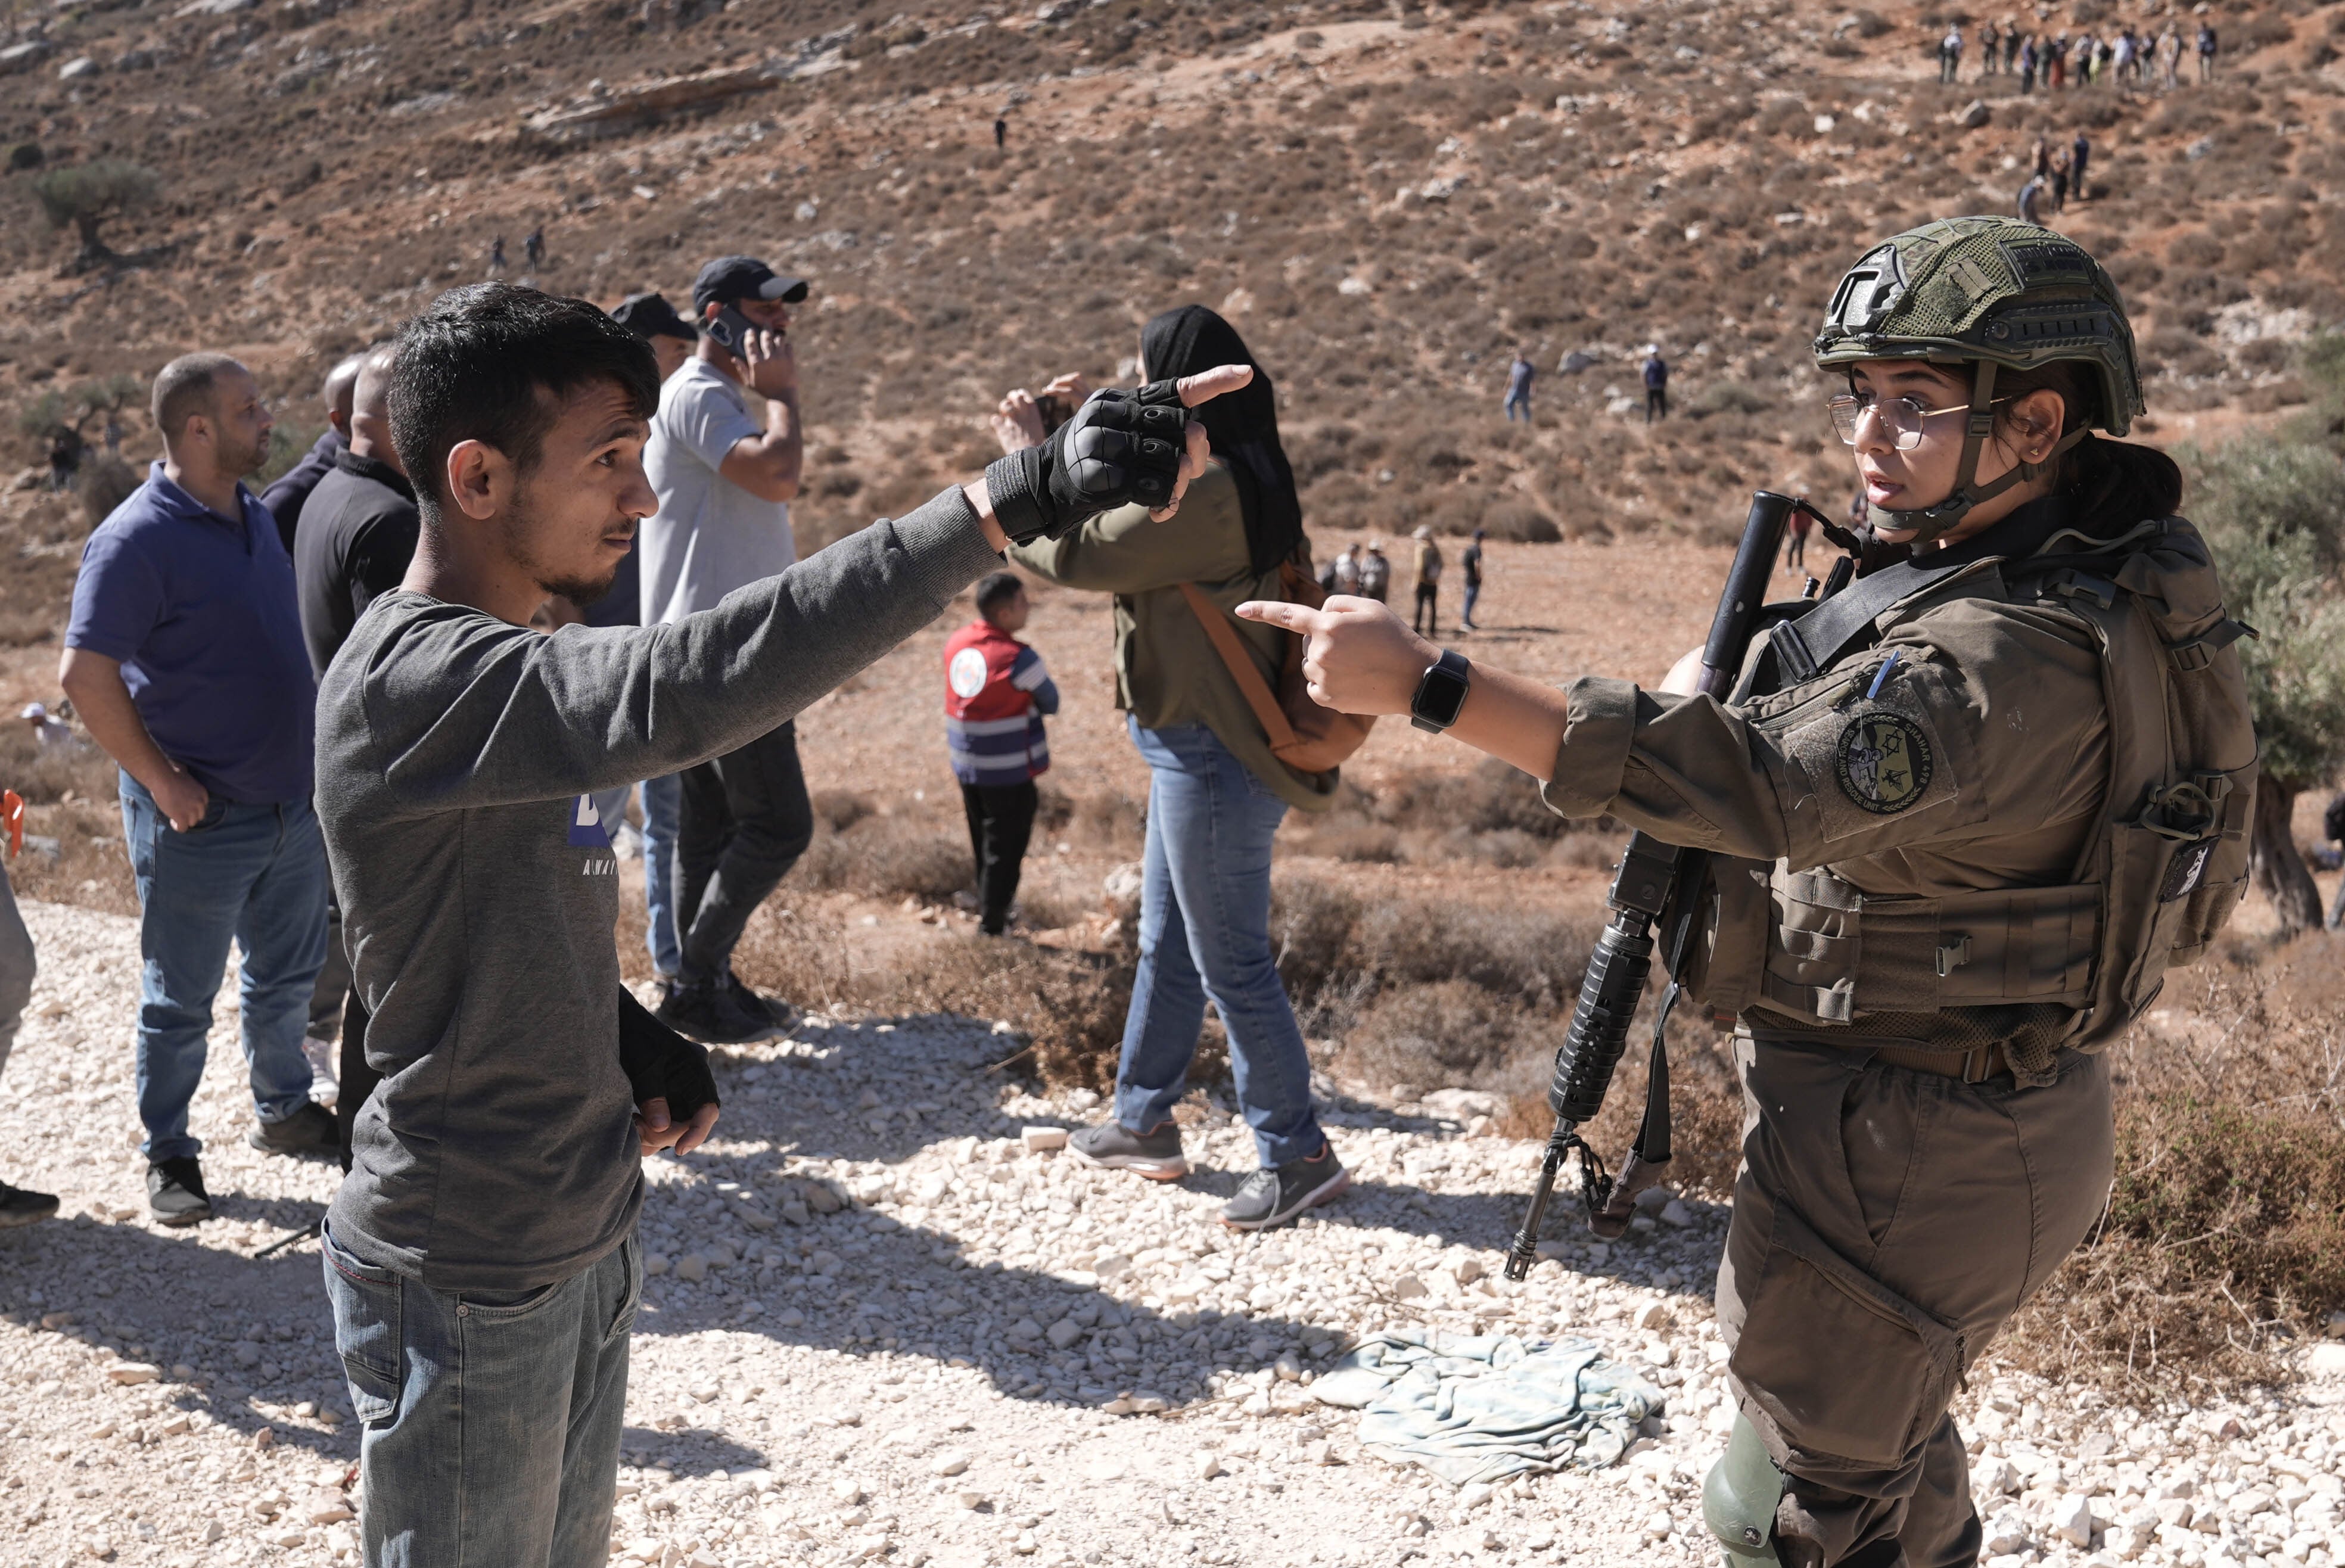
column 1483, row 1407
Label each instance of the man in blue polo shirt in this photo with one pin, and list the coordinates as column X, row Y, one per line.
column 185, row 659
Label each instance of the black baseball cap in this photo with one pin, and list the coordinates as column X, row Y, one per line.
column 730, row 278
column 651, row 315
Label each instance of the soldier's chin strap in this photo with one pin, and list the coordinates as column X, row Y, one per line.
column 1930, row 523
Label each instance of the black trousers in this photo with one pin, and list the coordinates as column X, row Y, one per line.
column 1429, row 609
column 1657, row 402
column 745, row 820
column 1000, row 821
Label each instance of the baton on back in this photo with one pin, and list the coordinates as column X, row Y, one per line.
column 1658, row 885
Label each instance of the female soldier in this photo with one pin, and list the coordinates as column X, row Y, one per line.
column 1975, row 804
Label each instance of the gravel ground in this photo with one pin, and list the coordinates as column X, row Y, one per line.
column 887, row 1325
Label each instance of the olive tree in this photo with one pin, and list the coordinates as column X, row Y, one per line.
column 83, row 195
column 2273, row 511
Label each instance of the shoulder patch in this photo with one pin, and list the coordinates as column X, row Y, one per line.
column 1883, row 761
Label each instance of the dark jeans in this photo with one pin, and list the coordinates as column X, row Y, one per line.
column 1798, row 554
column 747, row 820
column 333, row 987
column 489, row 1421
column 1656, row 403
column 1000, row 821
column 1427, row 616
column 1473, row 592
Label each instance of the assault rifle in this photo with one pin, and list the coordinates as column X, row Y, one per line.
column 1658, row 886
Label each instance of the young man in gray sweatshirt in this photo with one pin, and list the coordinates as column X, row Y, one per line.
column 480, row 1257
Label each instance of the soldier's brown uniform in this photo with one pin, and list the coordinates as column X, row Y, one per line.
column 1936, row 880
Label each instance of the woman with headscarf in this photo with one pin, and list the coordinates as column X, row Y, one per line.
column 1217, row 795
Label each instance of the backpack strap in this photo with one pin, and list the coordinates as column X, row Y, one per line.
column 1232, row 650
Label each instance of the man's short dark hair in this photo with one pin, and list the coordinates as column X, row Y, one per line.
column 183, row 388
column 473, row 364
column 996, row 588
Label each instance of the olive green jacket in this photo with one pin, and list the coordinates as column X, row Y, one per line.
column 1167, row 672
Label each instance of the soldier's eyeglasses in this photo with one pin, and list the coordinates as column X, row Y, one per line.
column 1901, row 418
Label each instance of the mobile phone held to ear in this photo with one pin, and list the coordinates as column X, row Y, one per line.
column 731, row 330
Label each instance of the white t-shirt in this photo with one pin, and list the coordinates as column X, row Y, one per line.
column 709, row 536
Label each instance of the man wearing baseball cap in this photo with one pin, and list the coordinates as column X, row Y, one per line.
column 651, row 318
column 725, row 482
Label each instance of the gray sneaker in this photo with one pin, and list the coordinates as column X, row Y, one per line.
column 1273, row 1197
column 1154, row 1154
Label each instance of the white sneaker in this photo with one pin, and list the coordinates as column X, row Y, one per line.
column 323, row 1086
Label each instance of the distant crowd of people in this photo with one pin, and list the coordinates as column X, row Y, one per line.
column 2086, row 59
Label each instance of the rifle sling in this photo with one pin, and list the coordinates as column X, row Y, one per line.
column 1805, row 648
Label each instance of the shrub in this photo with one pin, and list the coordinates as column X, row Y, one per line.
column 102, row 483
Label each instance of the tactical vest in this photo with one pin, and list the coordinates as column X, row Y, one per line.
column 2153, row 885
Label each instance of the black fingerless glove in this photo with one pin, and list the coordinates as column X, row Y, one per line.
column 661, row 1064
column 1120, row 447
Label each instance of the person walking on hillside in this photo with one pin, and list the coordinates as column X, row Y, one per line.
column 1470, row 563
column 1656, row 384
column 2032, row 197
column 997, row 694
column 2055, row 63
column 532, row 249
column 1795, row 550
column 725, row 486
column 2169, row 55
column 497, row 256
column 2011, row 42
column 185, row 659
column 1425, row 618
column 2080, row 153
column 2027, row 66
column 1946, row 935
column 1375, row 573
column 1518, row 387
column 2205, row 52
column 1216, row 793
column 1989, row 41
column 1950, row 54
column 1001, row 133
column 2060, row 182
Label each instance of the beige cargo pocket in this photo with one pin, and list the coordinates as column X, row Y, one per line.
column 1845, row 1369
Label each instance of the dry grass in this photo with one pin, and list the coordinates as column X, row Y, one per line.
column 2225, row 1236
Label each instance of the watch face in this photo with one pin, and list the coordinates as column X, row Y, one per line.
column 1441, row 695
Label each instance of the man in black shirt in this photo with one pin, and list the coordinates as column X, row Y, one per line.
column 289, row 490
column 358, row 535
column 359, row 523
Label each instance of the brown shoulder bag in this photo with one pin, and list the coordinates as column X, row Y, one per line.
column 1304, row 736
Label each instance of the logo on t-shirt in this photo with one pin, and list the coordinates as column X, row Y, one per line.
column 966, row 674
column 586, row 825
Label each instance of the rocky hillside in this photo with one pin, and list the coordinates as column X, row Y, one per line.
column 1387, row 198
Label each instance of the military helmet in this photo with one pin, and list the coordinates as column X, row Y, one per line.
column 1997, row 294
column 1987, row 289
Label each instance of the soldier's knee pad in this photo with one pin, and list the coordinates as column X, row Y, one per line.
column 1739, row 1499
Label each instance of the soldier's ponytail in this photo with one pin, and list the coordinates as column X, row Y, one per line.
column 2113, row 484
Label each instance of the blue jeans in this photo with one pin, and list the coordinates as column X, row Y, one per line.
column 490, row 1420
column 1523, row 402
column 254, row 872
column 662, row 800
column 1204, row 931
column 1473, row 592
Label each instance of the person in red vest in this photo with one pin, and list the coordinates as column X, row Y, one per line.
column 996, row 694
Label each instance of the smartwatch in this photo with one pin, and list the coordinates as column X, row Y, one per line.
column 1441, row 693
